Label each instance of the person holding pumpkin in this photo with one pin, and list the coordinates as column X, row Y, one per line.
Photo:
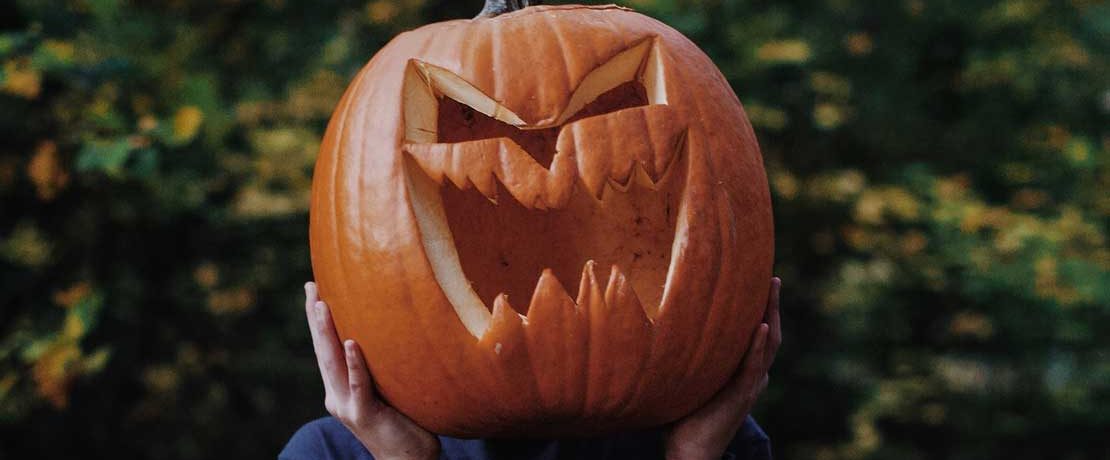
column 576, row 142
column 364, row 427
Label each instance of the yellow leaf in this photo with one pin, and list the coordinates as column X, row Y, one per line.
column 901, row 203
column 381, row 11
column 147, row 123
column 74, row 327
column 793, row 51
column 830, row 84
column 828, row 116
column 226, row 301
column 61, row 50
column 46, row 172
column 54, row 370
column 952, row 188
column 869, row 208
column 21, row 79
column 96, row 361
column 765, row 116
column 26, row 246
column 186, row 122
column 785, row 184
column 1078, row 152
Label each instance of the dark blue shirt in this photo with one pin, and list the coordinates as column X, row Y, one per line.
column 328, row 439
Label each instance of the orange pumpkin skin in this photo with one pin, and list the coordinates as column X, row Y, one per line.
column 590, row 356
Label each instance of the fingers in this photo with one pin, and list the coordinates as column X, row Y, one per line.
column 328, row 351
column 753, row 369
column 736, row 399
column 774, row 323
column 706, row 431
column 739, row 394
column 310, row 295
column 312, row 316
column 350, row 395
column 325, row 342
column 770, row 315
column 359, row 381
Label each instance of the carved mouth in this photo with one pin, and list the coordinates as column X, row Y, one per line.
column 529, row 207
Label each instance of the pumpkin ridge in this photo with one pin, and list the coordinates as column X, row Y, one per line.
column 722, row 293
column 560, row 42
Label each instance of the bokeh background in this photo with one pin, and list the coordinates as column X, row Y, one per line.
column 940, row 173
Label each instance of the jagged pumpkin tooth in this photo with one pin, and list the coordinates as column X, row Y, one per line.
column 504, row 314
column 467, row 160
column 622, row 299
column 549, row 296
column 429, row 157
column 593, row 170
column 442, row 160
column 620, row 336
column 506, row 348
column 561, row 184
column 528, row 181
column 614, row 147
column 486, row 184
column 667, row 137
column 505, row 335
column 482, row 163
column 642, row 178
column 557, row 344
column 590, row 295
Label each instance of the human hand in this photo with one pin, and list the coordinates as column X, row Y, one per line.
column 349, row 393
column 706, row 433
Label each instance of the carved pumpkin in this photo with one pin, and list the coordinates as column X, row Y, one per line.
column 553, row 221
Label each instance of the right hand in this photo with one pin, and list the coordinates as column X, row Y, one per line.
column 349, row 393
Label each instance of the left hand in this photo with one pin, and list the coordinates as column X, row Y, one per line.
column 706, row 433
column 350, row 397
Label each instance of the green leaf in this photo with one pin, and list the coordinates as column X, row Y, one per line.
column 104, row 156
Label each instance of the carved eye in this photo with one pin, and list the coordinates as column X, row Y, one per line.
column 458, row 122
column 622, row 100
column 630, row 78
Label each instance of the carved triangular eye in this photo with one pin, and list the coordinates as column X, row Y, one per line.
column 458, row 122
column 637, row 68
column 638, row 63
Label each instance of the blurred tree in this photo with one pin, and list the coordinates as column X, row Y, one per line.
column 939, row 168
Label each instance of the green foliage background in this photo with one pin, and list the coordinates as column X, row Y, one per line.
column 939, row 169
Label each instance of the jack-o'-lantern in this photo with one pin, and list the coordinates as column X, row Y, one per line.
column 552, row 221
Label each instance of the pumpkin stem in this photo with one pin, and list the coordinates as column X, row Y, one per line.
column 496, row 7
